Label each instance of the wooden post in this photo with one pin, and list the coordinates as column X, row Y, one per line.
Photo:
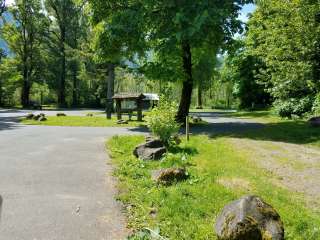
column 118, row 106
column 187, row 128
column 139, row 109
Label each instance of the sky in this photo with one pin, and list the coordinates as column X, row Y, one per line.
column 248, row 8
column 9, row 1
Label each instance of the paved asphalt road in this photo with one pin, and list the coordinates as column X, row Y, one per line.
column 56, row 182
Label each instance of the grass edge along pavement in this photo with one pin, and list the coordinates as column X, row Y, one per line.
column 187, row 210
column 82, row 121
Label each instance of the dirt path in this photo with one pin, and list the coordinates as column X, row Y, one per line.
column 296, row 167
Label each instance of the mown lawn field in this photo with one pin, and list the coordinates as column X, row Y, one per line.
column 219, row 173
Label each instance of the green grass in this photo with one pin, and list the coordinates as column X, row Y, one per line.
column 81, row 121
column 266, row 116
column 289, row 131
column 188, row 210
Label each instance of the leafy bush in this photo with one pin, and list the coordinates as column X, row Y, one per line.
column 316, row 106
column 293, row 107
column 161, row 120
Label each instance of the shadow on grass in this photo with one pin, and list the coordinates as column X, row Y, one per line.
column 298, row 132
column 253, row 114
column 185, row 149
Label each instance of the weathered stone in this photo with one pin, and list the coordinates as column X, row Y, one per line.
column 315, row 121
column 196, row 119
column 149, row 138
column 30, row 116
column 42, row 119
column 122, row 122
column 249, row 218
column 61, row 115
column 168, row 176
column 154, row 143
column 152, row 149
column 147, row 153
column 36, row 117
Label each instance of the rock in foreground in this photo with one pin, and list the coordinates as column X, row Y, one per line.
column 151, row 150
column 315, row 121
column 249, row 218
column 168, row 176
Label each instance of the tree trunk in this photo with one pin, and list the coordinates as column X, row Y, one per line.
column 199, row 97
column 110, row 90
column 62, row 85
column 75, row 88
column 187, row 85
column 25, row 92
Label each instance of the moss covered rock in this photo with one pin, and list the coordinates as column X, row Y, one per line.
column 168, row 176
column 249, row 218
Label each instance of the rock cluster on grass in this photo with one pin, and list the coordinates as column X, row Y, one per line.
column 168, row 176
column 196, row 119
column 30, row 116
column 121, row 121
column 42, row 118
column 61, row 115
column 153, row 149
column 315, row 121
column 249, row 218
column 89, row 115
column 37, row 117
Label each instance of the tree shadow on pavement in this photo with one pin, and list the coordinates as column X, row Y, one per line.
column 9, row 123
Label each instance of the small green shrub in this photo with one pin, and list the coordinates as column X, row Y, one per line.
column 293, row 107
column 161, row 120
column 316, row 105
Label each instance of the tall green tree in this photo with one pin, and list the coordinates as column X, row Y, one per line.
column 63, row 14
column 119, row 35
column 203, row 70
column 183, row 26
column 24, row 36
column 284, row 35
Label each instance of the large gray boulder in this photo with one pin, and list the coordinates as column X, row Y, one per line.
column 37, row 117
column 315, row 121
column 249, row 218
column 151, row 150
column 30, row 116
column 42, row 119
column 168, row 176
